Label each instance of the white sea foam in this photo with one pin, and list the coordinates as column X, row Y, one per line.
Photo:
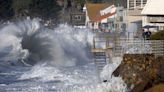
column 31, row 43
column 84, row 79
column 62, row 56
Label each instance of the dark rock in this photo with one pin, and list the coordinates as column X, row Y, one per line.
column 137, row 70
column 160, row 68
column 104, row 80
column 156, row 88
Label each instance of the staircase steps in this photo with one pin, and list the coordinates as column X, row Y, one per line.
column 100, row 60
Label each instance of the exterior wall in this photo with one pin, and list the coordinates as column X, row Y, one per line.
column 109, row 23
column 133, row 21
column 77, row 19
column 133, row 4
column 120, row 21
column 107, row 10
column 96, row 25
column 104, row 20
column 92, row 25
column 160, row 25
column 153, row 14
column 144, row 21
column 87, row 20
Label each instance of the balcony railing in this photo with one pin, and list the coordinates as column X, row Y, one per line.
column 155, row 19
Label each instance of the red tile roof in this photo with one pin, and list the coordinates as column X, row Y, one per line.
column 94, row 11
column 97, row 19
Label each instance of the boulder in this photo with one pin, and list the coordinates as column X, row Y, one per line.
column 156, row 88
column 160, row 69
column 138, row 71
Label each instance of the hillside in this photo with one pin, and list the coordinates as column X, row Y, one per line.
column 45, row 9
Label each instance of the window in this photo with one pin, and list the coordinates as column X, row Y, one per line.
column 138, row 3
column 92, row 24
column 77, row 17
column 121, row 18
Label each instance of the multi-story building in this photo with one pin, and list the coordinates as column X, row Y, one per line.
column 100, row 16
column 105, row 17
column 153, row 14
column 134, row 17
column 77, row 19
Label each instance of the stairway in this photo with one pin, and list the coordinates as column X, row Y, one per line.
column 118, row 51
column 100, row 60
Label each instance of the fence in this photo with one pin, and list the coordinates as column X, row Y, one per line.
column 138, row 46
column 121, row 46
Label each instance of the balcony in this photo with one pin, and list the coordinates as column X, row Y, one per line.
column 156, row 19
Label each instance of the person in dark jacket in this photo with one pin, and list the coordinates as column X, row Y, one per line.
column 143, row 33
column 148, row 35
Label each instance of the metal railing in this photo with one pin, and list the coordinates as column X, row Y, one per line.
column 156, row 19
column 121, row 46
column 104, row 49
column 138, row 46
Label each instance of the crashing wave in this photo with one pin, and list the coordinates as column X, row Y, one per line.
column 29, row 42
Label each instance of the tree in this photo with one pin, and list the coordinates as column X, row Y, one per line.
column 6, row 10
column 94, row 1
column 80, row 1
column 44, row 8
column 158, row 35
column 97, row 1
column 21, row 7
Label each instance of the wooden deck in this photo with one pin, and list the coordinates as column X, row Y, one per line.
column 94, row 50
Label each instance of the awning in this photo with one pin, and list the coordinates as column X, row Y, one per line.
column 149, row 26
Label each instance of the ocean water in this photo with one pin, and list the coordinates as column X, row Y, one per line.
column 34, row 58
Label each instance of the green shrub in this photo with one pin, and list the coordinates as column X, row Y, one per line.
column 158, row 36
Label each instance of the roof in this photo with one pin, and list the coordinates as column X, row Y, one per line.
column 93, row 10
column 153, row 7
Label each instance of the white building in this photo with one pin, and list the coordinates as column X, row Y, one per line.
column 98, row 14
column 133, row 4
column 134, row 17
column 153, row 14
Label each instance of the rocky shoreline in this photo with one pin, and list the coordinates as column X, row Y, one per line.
column 141, row 71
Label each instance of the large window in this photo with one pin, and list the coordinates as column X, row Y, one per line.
column 144, row 2
column 138, row 3
column 131, row 4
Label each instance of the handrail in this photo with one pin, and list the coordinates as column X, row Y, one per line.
column 121, row 45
